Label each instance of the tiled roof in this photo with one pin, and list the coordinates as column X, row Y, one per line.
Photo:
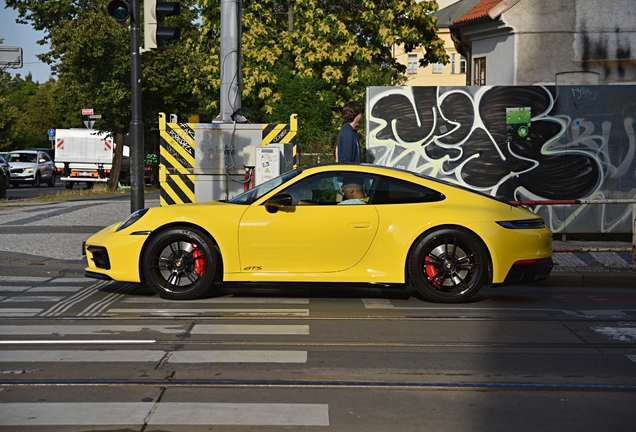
column 479, row 11
column 447, row 15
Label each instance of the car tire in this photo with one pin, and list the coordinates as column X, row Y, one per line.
column 448, row 265
column 68, row 185
column 51, row 182
column 181, row 264
column 36, row 182
column 3, row 188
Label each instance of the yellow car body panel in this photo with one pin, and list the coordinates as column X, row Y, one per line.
column 355, row 243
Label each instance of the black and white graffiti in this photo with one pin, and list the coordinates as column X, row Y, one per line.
column 516, row 143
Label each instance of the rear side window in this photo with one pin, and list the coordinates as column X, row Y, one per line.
column 395, row 191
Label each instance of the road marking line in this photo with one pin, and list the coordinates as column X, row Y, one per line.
column 19, row 311
column 225, row 300
column 386, row 304
column 105, row 330
column 23, row 279
column 242, row 312
column 238, row 356
column 14, row 288
column 78, row 342
column 70, row 280
column 625, row 334
column 603, row 312
column 73, row 300
column 98, row 307
column 36, row 298
column 171, row 413
column 55, row 289
column 247, row 329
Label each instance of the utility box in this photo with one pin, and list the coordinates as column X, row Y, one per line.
column 267, row 163
column 208, row 161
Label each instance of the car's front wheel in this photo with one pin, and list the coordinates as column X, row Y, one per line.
column 36, row 182
column 448, row 265
column 180, row 264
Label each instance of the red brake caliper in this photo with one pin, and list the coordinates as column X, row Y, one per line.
column 199, row 261
column 430, row 270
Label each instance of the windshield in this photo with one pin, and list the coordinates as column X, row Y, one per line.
column 22, row 157
column 253, row 194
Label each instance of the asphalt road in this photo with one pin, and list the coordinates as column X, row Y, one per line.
column 78, row 354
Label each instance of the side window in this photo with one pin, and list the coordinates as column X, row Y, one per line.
column 44, row 156
column 395, row 191
column 326, row 188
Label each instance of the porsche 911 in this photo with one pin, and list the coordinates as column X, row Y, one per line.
column 335, row 223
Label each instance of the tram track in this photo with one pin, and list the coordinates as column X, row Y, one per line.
column 297, row 384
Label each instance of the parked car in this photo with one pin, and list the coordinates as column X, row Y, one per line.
column 4, row 177
column 31, row 167
column 403, row 228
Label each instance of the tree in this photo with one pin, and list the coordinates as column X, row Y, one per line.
column 336, row 48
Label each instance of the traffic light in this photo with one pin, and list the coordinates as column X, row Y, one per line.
column 155, row 33
column 120, row 10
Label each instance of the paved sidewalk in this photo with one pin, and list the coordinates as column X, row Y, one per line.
column 47, row 237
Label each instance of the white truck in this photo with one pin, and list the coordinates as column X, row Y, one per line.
column 84, row 155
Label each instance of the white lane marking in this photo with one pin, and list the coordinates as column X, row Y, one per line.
column 170, row 413
column 225, row 300
column 19, row 311
column 106, row 330
column 71, row 280
column 82, row 356
column 568, row 259
column 62, row 307
column 23, row 279
column 56, row 288
column 625, row 334
column 98, row 307
column 29, row 299
column 76, row 342
column 632, row 358
column 386, row 304
column 14, row 288
column 238, row 356
column 603, row 312
column 250, row 329
column 241, row 414
column 242, row 312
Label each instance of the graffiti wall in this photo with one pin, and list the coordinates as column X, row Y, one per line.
column 516, row 143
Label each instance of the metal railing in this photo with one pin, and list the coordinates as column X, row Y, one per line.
column 530, row 203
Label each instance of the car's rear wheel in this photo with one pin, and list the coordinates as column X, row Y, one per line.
column 36, row 182
column 51, row 181
column 448, row 266
column 180, row 264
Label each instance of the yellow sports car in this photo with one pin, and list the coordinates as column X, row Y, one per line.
column 330, row 223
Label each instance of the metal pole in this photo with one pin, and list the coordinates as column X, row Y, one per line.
column 136, row 123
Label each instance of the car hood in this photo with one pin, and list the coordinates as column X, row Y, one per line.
column 22, row 164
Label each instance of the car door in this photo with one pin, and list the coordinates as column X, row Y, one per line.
column 45, row 165
column 311, row 236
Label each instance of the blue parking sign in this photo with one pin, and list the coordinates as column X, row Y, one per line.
column 51, row 132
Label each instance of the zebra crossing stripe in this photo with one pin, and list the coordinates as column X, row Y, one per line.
column 164, row 413
column 98, row 307
column 62, row 307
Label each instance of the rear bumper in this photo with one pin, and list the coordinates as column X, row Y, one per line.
column 531, row 272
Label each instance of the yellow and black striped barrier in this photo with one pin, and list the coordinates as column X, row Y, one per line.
column 176, row 162
column 275, row 133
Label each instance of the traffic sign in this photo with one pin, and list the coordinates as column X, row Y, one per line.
column 51, row 132
column 89, row 123
column 87, row 111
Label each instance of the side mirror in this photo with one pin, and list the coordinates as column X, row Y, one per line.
column 278, row 201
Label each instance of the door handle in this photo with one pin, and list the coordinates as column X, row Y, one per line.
column 359, row 225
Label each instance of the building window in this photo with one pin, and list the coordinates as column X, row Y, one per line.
column 412, row 64
column 462, row 64
column 479, row 75
column 437, row 68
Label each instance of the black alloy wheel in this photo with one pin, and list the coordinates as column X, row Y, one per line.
column 449, row 266
column 181, row 264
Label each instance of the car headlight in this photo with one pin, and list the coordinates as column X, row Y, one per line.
column 29, row 169
column 134, row 217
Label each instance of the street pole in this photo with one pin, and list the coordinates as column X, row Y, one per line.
column 136, row 123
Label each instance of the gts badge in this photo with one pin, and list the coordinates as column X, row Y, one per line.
column 252, row 268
